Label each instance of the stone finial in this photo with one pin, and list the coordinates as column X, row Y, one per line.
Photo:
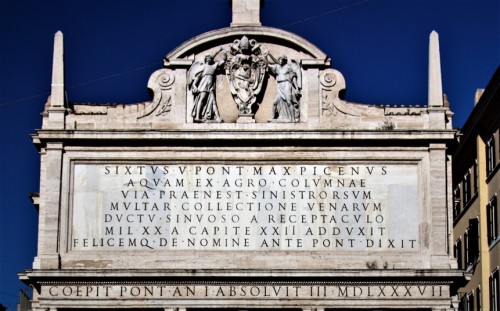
column 55, row 111
column 435, row 84
column 245, row 13
column 57, row 92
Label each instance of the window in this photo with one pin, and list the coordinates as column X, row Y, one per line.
column 467, row 302
column 491, row 210
column 478, row 299
column 466, row 249
column 462, row 306
column 471, row 239
column 494, row 289
column 458, row 253
column 470, row 301
column 456, row 202
column 467, row 187
column 490, row 155
column 476, row 176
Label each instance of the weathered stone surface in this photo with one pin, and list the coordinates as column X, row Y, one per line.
column 338, row 205
column 245, row 13
column 346, row 208
column 435, row 84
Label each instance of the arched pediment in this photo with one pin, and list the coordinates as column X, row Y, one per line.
column 264, row 35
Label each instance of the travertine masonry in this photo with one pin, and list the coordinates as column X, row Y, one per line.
column 247, row 181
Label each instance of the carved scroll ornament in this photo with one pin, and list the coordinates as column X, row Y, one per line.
column 160, row 84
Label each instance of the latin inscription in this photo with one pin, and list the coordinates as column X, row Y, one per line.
column 245, row 207
column 247, row 291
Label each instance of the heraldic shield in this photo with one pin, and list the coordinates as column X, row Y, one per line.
column 245, row 72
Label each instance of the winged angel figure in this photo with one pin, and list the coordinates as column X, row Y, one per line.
column 288, row 89
column 201, row 81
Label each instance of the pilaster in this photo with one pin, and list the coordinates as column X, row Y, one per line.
column 50, row 200
column 438, row 204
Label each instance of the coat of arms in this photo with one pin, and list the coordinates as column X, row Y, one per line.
column 245, row 72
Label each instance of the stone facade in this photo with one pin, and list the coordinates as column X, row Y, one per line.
column 247, row 181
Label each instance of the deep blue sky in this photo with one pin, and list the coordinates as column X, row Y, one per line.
column 111, row 48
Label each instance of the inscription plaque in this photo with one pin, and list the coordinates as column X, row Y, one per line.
column 249, row 291
column 310, row 207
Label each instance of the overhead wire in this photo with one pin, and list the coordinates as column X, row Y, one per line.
column 335, row 10
column 111, row 76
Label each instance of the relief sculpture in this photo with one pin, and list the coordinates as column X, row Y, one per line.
column 201, row 81
column 288, row 89
column 245, row 72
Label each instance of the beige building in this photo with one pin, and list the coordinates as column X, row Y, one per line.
column 476, row 184
column 246, row 182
